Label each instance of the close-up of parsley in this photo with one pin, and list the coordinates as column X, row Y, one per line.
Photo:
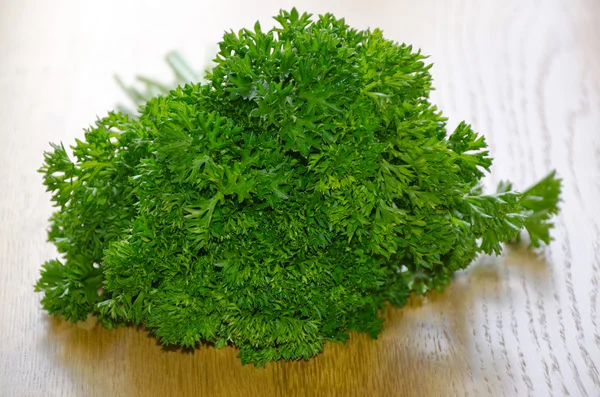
column 280, row 203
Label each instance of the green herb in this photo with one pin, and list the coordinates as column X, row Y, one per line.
column 150, row 88
column 280, row 204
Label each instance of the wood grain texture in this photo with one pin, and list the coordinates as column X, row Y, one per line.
column 526, row 74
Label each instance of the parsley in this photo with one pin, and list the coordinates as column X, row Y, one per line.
column 281, row 203
column 183, row 74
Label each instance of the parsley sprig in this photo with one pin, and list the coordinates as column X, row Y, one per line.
column 281, row 203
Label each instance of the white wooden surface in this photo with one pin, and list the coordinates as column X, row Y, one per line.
column 526, row 74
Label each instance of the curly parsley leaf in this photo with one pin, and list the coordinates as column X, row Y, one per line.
column 281, row 203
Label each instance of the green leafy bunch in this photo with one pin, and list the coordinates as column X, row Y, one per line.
column 280, row 204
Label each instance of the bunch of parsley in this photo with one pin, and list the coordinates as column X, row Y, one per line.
column 281, row 203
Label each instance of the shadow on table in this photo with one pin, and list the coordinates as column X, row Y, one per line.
column 428, row 348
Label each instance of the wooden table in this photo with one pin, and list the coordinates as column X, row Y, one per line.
column 526, row 74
